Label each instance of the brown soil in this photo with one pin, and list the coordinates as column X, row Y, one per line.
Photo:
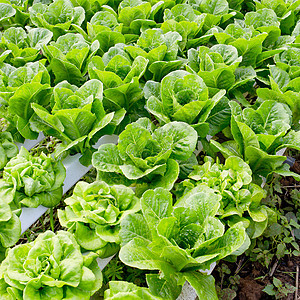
column 250, row 289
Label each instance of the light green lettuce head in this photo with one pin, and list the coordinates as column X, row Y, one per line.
column 179, row 239
column 32, row 181
column 145, row 154
column 94, row 212
column 51, row 267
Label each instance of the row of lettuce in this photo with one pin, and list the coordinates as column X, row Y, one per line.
column 185, row 62
column 213, row 213
column 163, row 76
column 206, row 221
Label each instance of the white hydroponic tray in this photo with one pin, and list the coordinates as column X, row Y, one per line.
column 29, row 144
column 74, row 171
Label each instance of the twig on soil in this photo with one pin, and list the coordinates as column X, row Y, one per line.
column 239, row 266
column 272, row 271
column 290, row 186
column 297, row 282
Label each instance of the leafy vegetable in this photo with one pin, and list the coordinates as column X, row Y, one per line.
column 6, row 12
column 24, row 46
column 32, row 181
column 258, row 135
column 69, row 57
column 58, row 16
column 219, row 67
column 78, row 118
column 183, row 19
column 182, row 96
column 158, row 289
column 105, row 28
column 160, row 49
column 179, row 239
column 50, row 267
column 245, row 39
column 94, row 212
column 120, row 76
column 241, row 199
column 288, row 60
column 215, row 11
column 135, row 15
column 145, row 154
column 18, row 89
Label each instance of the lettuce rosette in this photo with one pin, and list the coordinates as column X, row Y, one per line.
column 94, row 212
column 160, row 49
column 24, row 46
column 257, row 134
column 32, row 181
column 77, row 118
column 105, row 28
column 51, row 267
column 182, row 96
column 56, row 16
column 145, row 155
column 178, row 240
column 120, row 75
column 127, row 290
column 218, row 66
column 69, row 57
column 241, row 198
column 19, row 88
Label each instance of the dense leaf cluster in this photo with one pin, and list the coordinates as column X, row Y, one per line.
column 171, row 78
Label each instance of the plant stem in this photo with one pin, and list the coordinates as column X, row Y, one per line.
column 51, row 219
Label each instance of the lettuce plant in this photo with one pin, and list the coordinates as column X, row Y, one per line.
column 6, row 11
column 160, row 49
column 145, row 154
column 159, row 289
column 11, row 14
column 69, row 57
column 32, row 181
column 8, row 148
column 215, row 12
column 10, row 228
column 246, row 40
column 94, row 212
column 219, row 67
column 78, row 118
column 182, row 96
column 287, row 12
column 178, row 240
column 257, row 136
column 51, row 267
column 289, row 61
column 57, row 16
column 14, row 13
column 19, row 88
column 188, row 22
column 281, row 80
column 135, row 16
column 290, row 98
column 105, row 28
column 120, row 76
column 241, row 199
column 264, row 20
column 24, row 46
